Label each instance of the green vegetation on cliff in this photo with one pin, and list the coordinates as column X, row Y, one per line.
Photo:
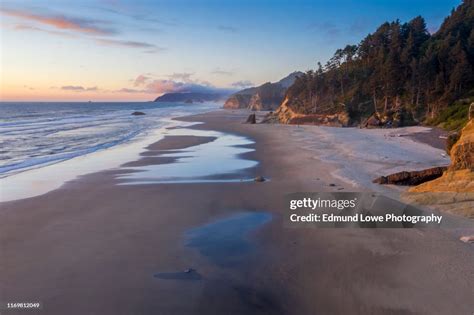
column 454, row 116
column 400, row 74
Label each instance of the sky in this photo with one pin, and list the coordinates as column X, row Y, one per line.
column 113, row 50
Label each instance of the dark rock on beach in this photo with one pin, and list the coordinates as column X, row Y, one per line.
column 372, row 122
column 389, row 119
column 188, row 274
column 138, row 113
column 251, row 119
column 411, row 178
column 259, row 179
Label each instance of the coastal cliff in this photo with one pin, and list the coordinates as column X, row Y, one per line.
column 454, row 190
column 460, row 175
column 267, row 96
column 237, row 101
column 400, row 75
column 287, row 115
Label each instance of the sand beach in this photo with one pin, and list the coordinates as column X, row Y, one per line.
column 184, row 229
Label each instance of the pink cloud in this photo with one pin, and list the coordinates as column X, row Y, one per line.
column 127, row 90
column 61, row 22
column 102, row 41
column 141, row 79
column 79, row 88
column 180, row 82
column 156, row 87
column 164, row 86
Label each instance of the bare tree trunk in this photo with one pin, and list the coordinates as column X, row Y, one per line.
column 375, row 103
column 342, row 85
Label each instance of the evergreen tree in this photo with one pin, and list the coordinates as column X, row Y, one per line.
column 398, row 67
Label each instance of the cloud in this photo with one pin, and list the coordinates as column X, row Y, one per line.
column 159, row 87
column 22, row 27
column 127, row 90
column 172, row 86
column 125, row 12
column 80, row 25
column 227, row 28
column 72, row 88
column 178, row 82
column 141, row 80
column 165, row 86
column 150, row 48
column 78, row 88
column 220, row 71
column 168, row 86
column 128, row 43
column 243, row 84
column 183, row 76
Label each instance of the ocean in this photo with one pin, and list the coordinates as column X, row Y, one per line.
column 37, row 134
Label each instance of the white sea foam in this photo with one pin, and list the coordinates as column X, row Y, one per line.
column 39, row 134
column 33, row 171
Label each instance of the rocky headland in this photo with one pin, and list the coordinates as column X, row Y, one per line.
column 267, row 96
column 459, row 177
column 191, row 97
column 399, row 75
column 454, row 190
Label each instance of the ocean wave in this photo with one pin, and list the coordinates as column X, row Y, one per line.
column 50, row 136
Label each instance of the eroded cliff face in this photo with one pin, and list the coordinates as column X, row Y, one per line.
column 267, row 96
column 237, row 101
column 256, row 102
column 286, row 115
column 460, row 175
column 454, row 191
column 462, row 153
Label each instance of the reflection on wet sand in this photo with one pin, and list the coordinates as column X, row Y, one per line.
column 224, row 242
column 219, row 159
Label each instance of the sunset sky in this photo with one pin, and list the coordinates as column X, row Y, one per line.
column 137, row 50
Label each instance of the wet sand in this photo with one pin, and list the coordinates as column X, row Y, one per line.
column 94, row 247
column 435, row 137
column 178, row 142
column 168, row 144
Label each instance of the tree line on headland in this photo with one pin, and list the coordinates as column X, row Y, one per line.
column 399, row 74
